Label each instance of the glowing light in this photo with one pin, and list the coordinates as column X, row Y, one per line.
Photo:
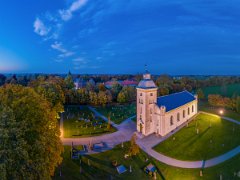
column 221, row 112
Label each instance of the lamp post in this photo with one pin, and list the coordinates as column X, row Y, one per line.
column 221, row 112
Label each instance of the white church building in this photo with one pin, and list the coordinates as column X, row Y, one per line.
column 161, row 115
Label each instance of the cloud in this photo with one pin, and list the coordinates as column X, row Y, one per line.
column 67, row 14
column 64, row 52
column 40, row 28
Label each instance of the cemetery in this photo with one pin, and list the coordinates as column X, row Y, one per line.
column 118, row 113
column 101, row 166
column 79, row 121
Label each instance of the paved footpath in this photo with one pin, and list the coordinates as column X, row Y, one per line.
column 147, row 143
column 125, row 131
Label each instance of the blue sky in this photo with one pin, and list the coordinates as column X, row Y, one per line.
column 120, row 36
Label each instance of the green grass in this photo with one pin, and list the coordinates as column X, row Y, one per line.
column 74, row 127
column 226, row 90
column 204, row 106
column 101, row 167
column 209, row 143
column 118, row 113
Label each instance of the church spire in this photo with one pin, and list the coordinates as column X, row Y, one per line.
column 146, row 75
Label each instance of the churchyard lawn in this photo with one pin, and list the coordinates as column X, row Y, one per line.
column 204, row 106
column 79, row 121
column 215, row 137
column 118, row 113
column 101, row 167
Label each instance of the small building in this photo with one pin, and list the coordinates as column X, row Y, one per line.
column 161, row 115
column 109, row 84
column 131, row 83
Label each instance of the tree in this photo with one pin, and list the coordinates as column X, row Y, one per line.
column 30, row 145
column 116, row 88
column 122, row 97
column 109, row 122
column 50, row 89
column 134, row 148
column 215, row 100
column 200, row 94
column 163, row 91
column 2, row 79
column 238, row 104
column 93, row 98
column 102, row 98
column 109, row 96
column 69, row 81
column 101, row 87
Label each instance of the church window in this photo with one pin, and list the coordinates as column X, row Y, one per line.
column 140, row 94
column 188, row 111
column 192, row 108
column 178, row 116
column 151, row 94
column 151, row 111
column 171, row 120
column 141, row 110
column 183, row 113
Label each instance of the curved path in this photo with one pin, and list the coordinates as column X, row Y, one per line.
column 149, row 142
column 125, row 131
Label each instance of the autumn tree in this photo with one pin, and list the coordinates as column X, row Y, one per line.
column 102, row 98
column 93, row 98
column 122, row 97
column 238, row 104
column 134, row 148
column 30, row 145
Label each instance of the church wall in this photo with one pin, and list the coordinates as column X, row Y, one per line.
column 146, row 100
column 169, row 126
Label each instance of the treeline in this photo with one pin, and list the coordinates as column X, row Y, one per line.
column 95, row 92
column 217, row 100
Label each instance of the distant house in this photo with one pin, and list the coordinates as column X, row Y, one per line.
column 109, row 84
column 129, row 83
column 80, row 83
column 132, row 83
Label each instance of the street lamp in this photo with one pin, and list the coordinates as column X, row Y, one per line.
column 221, row 112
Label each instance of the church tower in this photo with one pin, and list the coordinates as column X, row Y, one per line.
column 146, row 100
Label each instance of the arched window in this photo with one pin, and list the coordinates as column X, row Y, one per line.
column 178, row 116
column 171, row 120
column 151, row 111
column 192, row 108
column 183, row 113
column 188, row 111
